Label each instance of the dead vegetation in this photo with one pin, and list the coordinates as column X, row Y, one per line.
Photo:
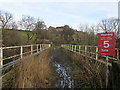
column 86, row 72
column 37, row 72
column 33, row 72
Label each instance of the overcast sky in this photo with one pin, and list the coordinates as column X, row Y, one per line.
column 59, row 12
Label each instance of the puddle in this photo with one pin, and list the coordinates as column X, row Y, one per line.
column 65, row 80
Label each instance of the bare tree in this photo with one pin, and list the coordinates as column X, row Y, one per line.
column 14, row 25
column 110, row 25
column 40, row 30
column 40, row 25
column 28, row 23
column 5, row 18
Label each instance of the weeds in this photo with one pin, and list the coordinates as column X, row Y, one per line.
column 86, row 72
column 33, row 72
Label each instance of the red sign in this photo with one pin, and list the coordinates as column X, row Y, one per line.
column 106, row 44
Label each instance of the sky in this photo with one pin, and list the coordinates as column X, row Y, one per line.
column 63, row 12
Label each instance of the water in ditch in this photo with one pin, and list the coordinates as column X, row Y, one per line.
column 65, row 80
column 62, row 68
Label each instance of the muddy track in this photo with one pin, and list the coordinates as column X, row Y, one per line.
column 61, row 64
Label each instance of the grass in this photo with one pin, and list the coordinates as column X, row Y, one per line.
column 86, row 72
column 37, row 72
column 33, row 72
column 23, row 34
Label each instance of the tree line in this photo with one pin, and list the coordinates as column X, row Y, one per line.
column 37, row 32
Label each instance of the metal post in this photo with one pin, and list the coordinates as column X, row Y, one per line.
column 1, row 57
column 72, row 48
column 96, row 53
column 117, row 53
column 21, row 51
column 40, row 47
column 31, row 49
column 49, row 45
column 75, row 48
column 85, row 49
column 107, row 71
column 37, row 48
column 63, row 46
column 68, row 47
column 119, row 17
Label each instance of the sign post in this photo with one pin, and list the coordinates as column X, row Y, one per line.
column 107, row 71
column 106, row 47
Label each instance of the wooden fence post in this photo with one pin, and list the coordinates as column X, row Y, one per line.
column 21, row 51
column 31, row 49
column 1, row 57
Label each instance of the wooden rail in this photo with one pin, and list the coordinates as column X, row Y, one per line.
column 91, row 52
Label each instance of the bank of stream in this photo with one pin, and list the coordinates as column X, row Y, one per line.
column 62, row 68
column 73, row 71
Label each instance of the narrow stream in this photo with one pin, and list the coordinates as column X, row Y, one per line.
column 65, row 79
column 59, row 64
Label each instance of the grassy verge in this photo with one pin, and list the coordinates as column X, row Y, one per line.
column 86, row 72
column 33, row 72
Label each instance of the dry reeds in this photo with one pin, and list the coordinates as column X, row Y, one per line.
column 87, row 72
column 34, row 72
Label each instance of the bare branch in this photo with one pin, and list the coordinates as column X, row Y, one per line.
column 5, row 18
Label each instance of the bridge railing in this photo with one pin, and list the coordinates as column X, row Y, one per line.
column 91, row 52
column 10, row 55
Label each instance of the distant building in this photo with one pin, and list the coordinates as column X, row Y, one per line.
column 59, row 28
column 56, row 29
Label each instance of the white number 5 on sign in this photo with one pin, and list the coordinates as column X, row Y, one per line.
column 106, row 44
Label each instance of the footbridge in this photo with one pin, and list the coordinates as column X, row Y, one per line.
column 9, row 56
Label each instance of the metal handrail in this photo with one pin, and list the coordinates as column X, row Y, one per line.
column 86, row 52
column 39, row 47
